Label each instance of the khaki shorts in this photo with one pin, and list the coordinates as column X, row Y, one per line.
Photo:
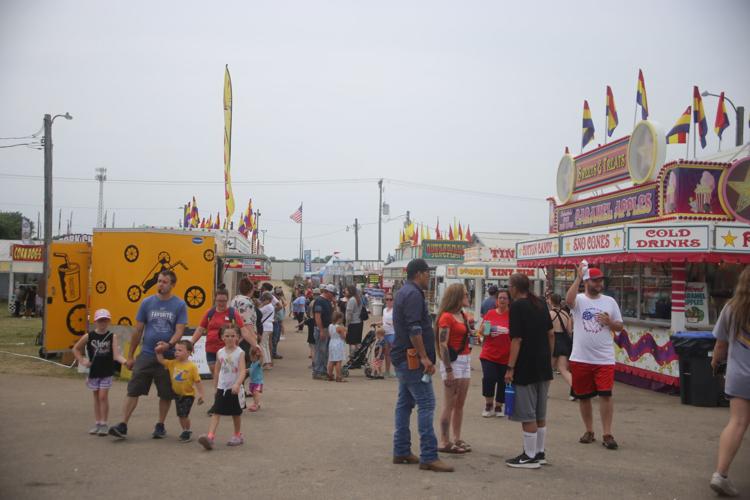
column 147, row 370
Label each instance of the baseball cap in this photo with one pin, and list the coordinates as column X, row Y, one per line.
column 102, row 314
column 316, row 291
column 330, row 288
column 595, row 274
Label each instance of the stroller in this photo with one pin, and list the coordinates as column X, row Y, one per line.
column 361, row 357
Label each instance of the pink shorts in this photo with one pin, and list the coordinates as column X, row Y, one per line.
column 97, row 383
column 256, row 387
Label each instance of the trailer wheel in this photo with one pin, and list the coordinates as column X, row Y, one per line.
column 195, row 297
column 208, row 255
column 131, row 253
column 76, row 320
column 134, row 293
column 101, row 287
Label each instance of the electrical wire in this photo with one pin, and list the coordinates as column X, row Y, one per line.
column 22, row 144
column 31, row 136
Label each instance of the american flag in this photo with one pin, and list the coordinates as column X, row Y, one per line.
column 297, row 215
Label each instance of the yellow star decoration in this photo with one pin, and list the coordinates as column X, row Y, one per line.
column 617, row 240
column 742, row 189
column 729, row 239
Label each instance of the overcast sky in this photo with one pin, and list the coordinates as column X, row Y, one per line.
column 474, row 95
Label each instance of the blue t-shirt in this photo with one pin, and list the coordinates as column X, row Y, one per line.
column 160, row 318
column 256, row 372
column 488, row 304
column 298, row 306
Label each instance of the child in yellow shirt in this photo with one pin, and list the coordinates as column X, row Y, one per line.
column 186, row 381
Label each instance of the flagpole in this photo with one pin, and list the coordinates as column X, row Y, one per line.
column 301, row 268
column 606, row 117
column 687, row 142
column 635, row 114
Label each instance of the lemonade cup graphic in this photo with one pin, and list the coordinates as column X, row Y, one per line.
column 70, row 278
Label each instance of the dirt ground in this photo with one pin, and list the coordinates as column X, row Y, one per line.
column 317, row 439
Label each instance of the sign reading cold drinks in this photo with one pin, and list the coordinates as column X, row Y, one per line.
column 667, row 238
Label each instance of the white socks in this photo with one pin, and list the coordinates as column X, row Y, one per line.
column 541, row 432
column 529, row 443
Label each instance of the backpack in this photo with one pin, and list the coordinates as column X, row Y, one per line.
column 363, row 314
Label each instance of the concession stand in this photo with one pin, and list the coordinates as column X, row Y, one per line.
column 437, row 253
column 670, row 238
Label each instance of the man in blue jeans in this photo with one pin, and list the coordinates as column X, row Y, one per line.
column 413, row 327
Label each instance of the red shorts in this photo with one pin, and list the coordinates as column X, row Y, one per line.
column 592, row 380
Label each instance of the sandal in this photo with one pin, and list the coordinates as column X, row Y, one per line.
column 463, row 444
column 588, row 437
column 452, row 448
column 339, row 379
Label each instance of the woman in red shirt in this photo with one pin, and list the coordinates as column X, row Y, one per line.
column 455, row 365
column 494, row 356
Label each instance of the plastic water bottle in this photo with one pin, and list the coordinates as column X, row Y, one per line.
column 510, row 399
column 426, row 378
column 585, row 268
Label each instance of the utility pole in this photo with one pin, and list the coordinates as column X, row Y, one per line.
column 101, row 176
column 47, row 200
column 113, row 220
column 356, row 239
column 257, row 228
column 380, row 220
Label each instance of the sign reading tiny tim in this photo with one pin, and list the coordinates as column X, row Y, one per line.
column 27, row 253
column 538, row 249
column 668, row 238
column 507, row 272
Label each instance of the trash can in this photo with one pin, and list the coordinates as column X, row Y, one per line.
column 698, row 385
column 377, row 307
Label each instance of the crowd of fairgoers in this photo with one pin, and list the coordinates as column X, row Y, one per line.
column 523, row 338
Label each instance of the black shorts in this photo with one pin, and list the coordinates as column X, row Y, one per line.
column 183, row 404
column 146, row 371
column 227, row 403
column 563, row 345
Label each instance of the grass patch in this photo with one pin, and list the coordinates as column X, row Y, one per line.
column 18, row 336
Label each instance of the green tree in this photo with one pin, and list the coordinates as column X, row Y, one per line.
column 10, row 225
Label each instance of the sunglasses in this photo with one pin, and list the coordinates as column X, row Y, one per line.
column 388, row 299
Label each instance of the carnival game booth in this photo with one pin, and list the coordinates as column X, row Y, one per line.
column 436, row 252
column 671, row 245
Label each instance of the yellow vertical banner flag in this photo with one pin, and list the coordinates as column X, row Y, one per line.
column 228, row 196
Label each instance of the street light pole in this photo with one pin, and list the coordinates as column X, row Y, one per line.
column 739, row 114
column 48, row 120
column 380, row 220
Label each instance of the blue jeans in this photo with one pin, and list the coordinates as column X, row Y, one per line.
column 320, row 360
column 275, row 338
column 413, row 392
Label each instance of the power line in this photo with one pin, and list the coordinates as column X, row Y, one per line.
column 23, row 144
column 30, row 136
column 433, row 187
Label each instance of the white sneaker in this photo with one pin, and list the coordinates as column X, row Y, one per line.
column 94, row 430
column 283, row 337
column 723, row 486
column 488, row 413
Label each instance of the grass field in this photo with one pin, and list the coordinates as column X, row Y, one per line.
column 17, row 336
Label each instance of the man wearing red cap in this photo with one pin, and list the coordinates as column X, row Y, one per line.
column 592, row 362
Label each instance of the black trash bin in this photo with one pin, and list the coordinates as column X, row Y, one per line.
column 698, row 385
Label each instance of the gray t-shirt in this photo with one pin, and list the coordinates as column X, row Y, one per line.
column 353, row 310
column 738, row 357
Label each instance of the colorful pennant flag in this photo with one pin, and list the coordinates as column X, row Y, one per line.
column 588, row 125
column 699, row 116
column 468, row 233
column 228, row 195
column 460, row 233
column 186, row 216
column 611, row 112
column 681, row 129
column 437, row 230
column 722, row 119
column 640, row 96
column 450, row 233
column 194, row 214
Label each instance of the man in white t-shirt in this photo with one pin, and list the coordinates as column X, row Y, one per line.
column 592, row 362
